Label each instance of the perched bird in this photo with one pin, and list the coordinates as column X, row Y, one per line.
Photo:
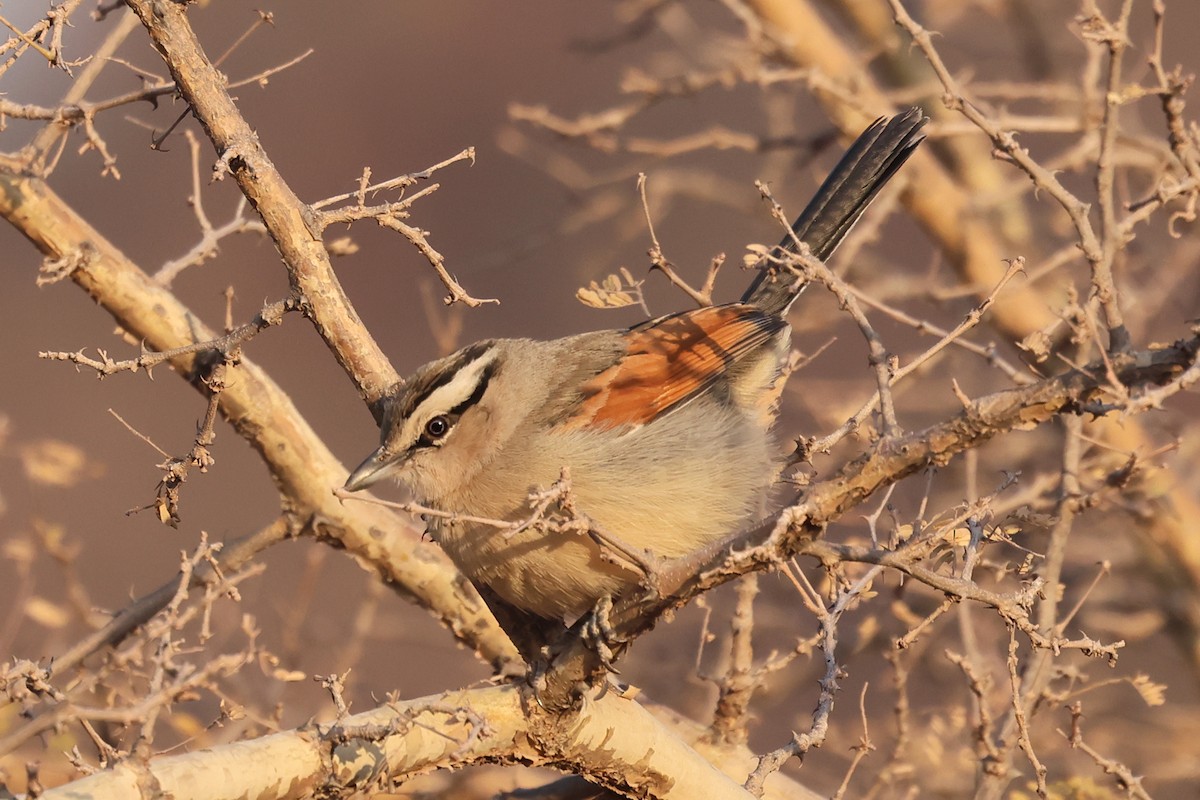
column 664, row 427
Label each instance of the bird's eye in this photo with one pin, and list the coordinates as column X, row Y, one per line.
column 437, row 427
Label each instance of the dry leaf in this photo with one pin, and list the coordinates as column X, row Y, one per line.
column 1153, row 693
column 46, row 613
column 56, row 463
column 233, row 712
column 342, row 246
column 754, row 253
column 615, row 291
column 1037, row 344
column 596, row 296
column 959, row 537
column 20, row 549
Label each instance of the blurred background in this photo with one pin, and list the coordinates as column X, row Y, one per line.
column 397, row 87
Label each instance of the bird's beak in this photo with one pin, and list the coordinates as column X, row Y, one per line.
column 369, row 471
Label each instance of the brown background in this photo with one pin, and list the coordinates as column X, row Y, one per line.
column 400, row 86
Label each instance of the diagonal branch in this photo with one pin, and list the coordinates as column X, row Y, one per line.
column 289, row 220
column 800, row 528
column 303, row 469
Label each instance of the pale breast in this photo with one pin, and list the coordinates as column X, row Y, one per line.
column 691, row 478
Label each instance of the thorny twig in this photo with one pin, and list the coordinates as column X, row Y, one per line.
column 1100, row 250
column 208, row 246
column 828, row 619
column 171, row 678
column 391, row 216
column 228, row 347
column 882, row 362
column 1126, row 780
column 891, row 371
column 658, row 261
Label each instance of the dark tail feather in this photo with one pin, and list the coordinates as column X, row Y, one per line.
column 869, row 163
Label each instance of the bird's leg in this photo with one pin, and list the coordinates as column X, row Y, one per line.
column 598, row 633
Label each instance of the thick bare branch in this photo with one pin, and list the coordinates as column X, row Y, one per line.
column 303, row 469
column 605, row 739
column 289, row 220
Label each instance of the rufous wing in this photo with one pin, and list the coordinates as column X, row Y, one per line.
column 672, row 360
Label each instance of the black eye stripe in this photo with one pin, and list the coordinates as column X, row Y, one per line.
column 420, row 394
column 476, row 396
column 452, row 416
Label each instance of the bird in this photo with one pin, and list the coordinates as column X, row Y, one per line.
column 658, row 436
